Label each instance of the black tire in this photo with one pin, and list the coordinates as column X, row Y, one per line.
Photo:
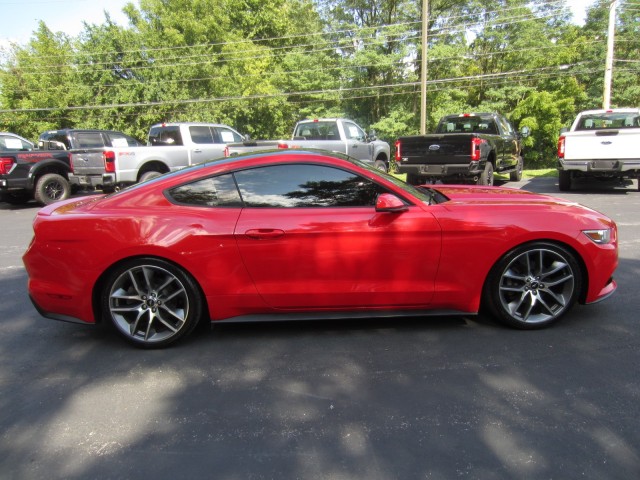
column 486, row 177
column 533, row 285
column 516, row 175
column 381, row 165
column 149, row 175
column 151, row 302
column 51, row 188
column 564, row 181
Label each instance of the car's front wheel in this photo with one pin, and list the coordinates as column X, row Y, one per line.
column 533, row 285
column 151, row 302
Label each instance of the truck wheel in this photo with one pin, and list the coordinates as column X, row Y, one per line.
column 486, row 177
column 564, row 181
column 149, row 175
column 516, row 175
column 50, row 188
column 381, row 165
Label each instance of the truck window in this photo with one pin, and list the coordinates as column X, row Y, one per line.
column 617, row 120
column 353, row 131
column 318, row 131
column 165, row 135
column 8, row 142
column 226, row 135
column 89, row 140
column 201, row 134
column 120, row 140
column 58, row 141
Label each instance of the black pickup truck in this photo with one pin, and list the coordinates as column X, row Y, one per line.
column 27, row 173
column 466, row 148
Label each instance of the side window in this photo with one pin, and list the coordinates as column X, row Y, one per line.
column 353, row 131
column 305, row 186
column 121, row 140
column 54, row 142
column 9, row 142
column 89, row 140
column 201, row 134
column 209, row 192
column 165, row 136
column 226, row 135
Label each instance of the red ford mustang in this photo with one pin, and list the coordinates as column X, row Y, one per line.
column 307, row 234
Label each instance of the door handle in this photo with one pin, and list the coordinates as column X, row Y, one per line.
column 197, row 150
column 264, row 233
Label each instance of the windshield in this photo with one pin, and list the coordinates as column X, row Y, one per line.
column 617, row 120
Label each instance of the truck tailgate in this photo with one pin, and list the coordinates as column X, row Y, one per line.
column 87, row 162
column 436, row 149
column 602, row 144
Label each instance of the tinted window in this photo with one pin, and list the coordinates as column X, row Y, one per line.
column 617, row 120
column 305, row 186
column 318, row 130
column 165, row 135
column 57, row 141
column 211, row 192
column 201, row 134
column 89, row 140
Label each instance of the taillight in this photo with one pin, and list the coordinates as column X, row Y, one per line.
column 109, row 161
column 226, row 152
column 6, row 164
column 561, row 142
column 282, row 145
column 475, row 148
column 398, row 154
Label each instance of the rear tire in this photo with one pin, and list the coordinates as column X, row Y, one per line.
column 151, row 302
column 486, row 177
column 149, row 175
column 51, row 188
column 564, row 181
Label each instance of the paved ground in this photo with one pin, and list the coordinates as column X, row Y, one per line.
column 435, row 398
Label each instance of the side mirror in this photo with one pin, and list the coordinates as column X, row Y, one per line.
column 524, row 131
column 372, row 137
column 387, row 202
column 563, row 130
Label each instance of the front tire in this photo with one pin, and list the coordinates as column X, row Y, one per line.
column 516, row 175
column 151, row 302
column 533, row 285
column 51, row 188
column 381, row 165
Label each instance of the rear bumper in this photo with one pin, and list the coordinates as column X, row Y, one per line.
column 106, row 179
column 441, row 170
column 630, row 167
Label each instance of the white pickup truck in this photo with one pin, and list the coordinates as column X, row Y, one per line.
column 170, row 146
column 333, row 134
column 600, row 144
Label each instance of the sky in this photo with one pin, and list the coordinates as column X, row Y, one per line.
column 20, row 17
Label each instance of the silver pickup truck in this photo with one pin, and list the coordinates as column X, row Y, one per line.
column 332, row 134
column 601, row 144
column 170, row 146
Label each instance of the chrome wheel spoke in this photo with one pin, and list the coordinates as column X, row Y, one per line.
column 536, row 286
column 149, row 303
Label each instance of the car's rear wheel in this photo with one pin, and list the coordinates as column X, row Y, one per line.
column 533, row 285
column 151, row 302
column 50, row 188
column 149, row 175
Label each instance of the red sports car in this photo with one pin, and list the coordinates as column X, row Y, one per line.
column 307, row 234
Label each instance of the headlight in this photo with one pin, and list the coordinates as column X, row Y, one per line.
column 600, row 237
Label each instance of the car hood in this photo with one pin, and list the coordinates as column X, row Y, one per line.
column 463, row 194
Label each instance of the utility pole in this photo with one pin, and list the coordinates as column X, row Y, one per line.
column 423, row 81
column 608, row 71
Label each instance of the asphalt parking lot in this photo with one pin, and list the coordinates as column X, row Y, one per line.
column 436, row 398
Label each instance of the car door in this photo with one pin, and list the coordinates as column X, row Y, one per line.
column 204, row 144
column 508, row 144
column 357, row 145
column 310, row 237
